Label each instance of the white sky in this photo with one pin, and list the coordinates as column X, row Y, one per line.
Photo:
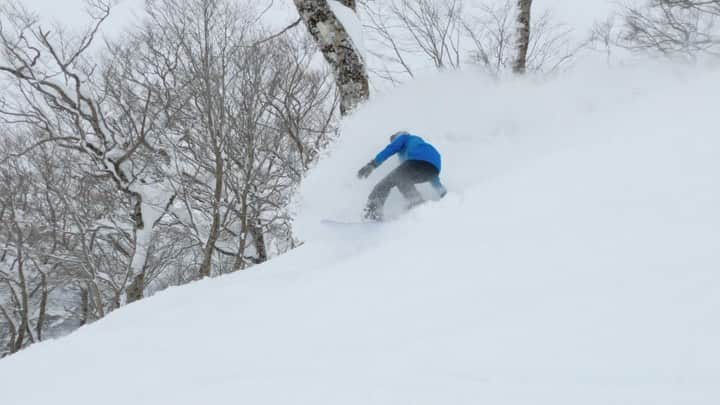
column 72, row 12
column 578, row 13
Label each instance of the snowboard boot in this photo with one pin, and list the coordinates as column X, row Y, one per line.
column 371, row 214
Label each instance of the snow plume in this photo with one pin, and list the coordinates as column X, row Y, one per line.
column 482, row 127
column 575, row 261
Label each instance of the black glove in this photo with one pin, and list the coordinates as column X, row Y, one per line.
column 367, row 169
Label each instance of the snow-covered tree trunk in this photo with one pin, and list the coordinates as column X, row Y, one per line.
column 523, row 36
column 337, row 46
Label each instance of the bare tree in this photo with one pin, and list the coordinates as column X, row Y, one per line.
column 71, row 112
column 198, row 124
column 17, row 232
column 337, row 46
column 67, row 238
column 28, row 271
column 671, row 28
column 204, row 49
column 255, row 120
column 402, row 29
column 449, row 34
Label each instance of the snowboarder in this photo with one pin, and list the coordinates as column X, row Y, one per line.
column 421, row 163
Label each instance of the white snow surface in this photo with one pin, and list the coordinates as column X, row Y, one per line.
column 574, row 261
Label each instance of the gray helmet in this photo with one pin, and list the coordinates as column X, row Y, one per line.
column 396, row 134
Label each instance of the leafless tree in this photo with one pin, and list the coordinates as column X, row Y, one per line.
column 672, row 28
column 432, row 27
column 59, row 95
column 203, row 50
column 72, row 240
column 199, row 124
column 491, row 29
column 31, row 236
column 255, row 119
column 17, row 232
column 402, row 29
column 449, row 34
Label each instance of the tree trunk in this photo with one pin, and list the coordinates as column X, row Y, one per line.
column 12, row 332
column 523, row 36
column 206, row 266
column 339, row 51
column 259, row 241
column 43, row 307
column 24, row 310
column 143, row 233
column 242, row 243
column 85, row 305
column 135, row 289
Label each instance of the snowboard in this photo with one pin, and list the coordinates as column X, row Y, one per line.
column 328, row 221
column 368, row 222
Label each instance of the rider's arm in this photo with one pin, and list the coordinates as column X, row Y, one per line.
column 391, row 149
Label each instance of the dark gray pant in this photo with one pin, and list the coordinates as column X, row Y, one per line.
column 404, row 177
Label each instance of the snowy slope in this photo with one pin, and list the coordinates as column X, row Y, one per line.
column 575, row 261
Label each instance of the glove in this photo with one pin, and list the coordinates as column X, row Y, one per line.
column 366, row 170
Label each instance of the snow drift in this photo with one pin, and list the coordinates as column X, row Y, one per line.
column 575, row 260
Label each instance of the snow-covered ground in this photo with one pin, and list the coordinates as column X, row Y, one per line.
column 575, row 261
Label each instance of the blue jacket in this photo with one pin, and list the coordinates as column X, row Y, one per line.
column 412, row 147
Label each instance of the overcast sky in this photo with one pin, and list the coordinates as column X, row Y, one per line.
column 579, row 13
